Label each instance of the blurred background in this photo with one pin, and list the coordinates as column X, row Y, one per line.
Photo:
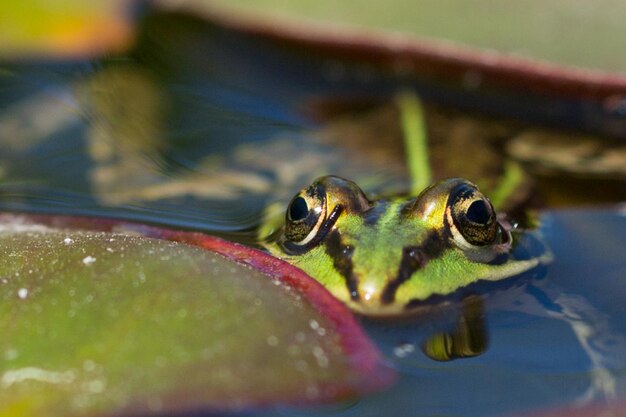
column 572, row 32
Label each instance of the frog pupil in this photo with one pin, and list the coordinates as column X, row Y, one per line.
column 298, row 209
column 478, row 212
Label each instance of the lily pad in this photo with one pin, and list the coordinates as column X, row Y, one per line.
column 109, row 322
column 66, row 28
column 532, row 28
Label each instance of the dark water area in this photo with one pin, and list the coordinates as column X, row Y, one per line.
column 50, row 126
column 201, row 129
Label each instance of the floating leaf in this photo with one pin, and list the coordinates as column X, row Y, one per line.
column 530, row 28
column 64, row 28
column 110, row 323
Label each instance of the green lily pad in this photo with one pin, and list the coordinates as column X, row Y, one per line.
column 533, row 28
column 97, row 322
column 65, row 28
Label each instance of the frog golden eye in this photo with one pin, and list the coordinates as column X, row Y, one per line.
column 304, row 217
column 473, row 218
column 298, row 209
column 313, row 212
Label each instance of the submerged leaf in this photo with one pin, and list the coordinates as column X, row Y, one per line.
column 103, row 323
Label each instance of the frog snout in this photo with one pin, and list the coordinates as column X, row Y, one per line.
column 369, row 295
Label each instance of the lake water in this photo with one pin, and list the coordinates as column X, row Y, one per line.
column 208, row 144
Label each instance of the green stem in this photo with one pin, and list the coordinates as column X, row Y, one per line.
column 415, row 140
column 512, row 178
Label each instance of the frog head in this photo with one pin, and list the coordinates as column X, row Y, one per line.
column 388, row 256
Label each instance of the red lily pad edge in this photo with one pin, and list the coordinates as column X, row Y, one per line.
column 371, row 372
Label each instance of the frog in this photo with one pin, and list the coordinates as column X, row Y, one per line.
column 390, row 256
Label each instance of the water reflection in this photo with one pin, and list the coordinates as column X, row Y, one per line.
column 116, row 139
column 467, row 339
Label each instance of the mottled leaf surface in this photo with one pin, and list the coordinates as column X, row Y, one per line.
column 110, row 323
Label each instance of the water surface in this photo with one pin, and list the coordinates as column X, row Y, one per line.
column 208, row 144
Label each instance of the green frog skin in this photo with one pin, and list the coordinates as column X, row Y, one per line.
column 386, row 257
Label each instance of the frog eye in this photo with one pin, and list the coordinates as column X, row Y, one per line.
column 310, row 216
column 305, row 214
column 298, row 209
column 473, row 219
